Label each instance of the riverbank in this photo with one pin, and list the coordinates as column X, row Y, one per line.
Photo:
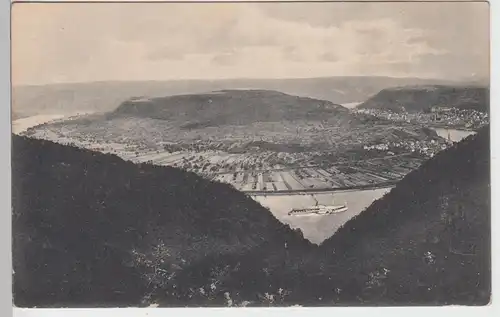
column 309, row 191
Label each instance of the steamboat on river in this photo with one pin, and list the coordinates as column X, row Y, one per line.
column 318, row 209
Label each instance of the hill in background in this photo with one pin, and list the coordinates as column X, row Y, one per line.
column 106, row 96
column 233, row 107
column 422, row 98
column 228, row 119
column 244, row 131
column 428, row 241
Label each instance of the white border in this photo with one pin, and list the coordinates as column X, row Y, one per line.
column 208, row 312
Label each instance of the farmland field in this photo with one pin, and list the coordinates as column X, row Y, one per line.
column 221, row 166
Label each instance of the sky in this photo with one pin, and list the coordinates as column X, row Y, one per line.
column 82, row 42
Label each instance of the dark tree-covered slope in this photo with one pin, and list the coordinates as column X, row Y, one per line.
column 421, row 98
column 425, row 242
column 92, row 229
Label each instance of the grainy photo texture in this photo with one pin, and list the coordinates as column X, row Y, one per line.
column 250, row 154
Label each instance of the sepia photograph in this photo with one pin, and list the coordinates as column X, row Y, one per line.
column 246, row 154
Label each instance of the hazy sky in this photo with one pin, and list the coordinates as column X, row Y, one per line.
column 89, row 42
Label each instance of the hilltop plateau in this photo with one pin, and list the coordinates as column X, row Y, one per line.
column 424, row 98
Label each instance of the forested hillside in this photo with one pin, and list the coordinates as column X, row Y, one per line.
column 427, row 241
column 90, row 228
column 422, row 98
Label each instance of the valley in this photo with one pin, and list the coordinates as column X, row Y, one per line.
column 249, row 154
column 233, row 138
column 283, row 151
column 175, row 239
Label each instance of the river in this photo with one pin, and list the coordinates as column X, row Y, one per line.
column 317, row 228
column 351, row 105
column 23, row 124
column 455, row 134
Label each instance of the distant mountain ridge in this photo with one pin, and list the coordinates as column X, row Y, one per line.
column 107, row 96
column 236, row 107
column 422, row 98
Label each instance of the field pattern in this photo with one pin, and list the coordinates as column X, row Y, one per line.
column 259, row 172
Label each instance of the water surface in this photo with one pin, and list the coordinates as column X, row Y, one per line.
column 320, row 227
column 455, row 134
